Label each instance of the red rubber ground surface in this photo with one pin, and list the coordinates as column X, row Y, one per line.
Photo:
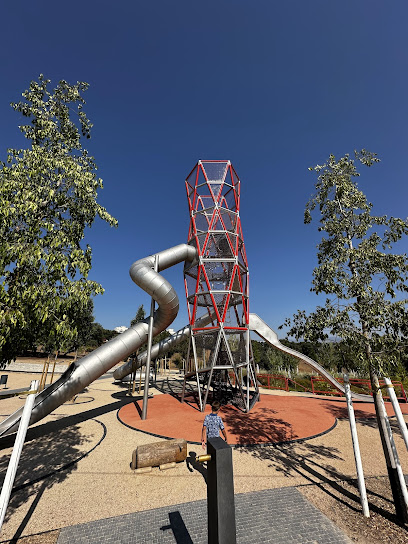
column 273, row 419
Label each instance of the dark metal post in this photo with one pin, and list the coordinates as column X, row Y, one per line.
column 220, row 493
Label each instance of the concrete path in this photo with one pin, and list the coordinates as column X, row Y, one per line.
column 273, row 515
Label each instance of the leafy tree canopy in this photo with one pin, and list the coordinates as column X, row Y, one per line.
column 365, row 281
column 48, row 196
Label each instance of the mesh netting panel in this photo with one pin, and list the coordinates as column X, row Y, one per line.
column 229, row 219
column 237, row 345
column 233, row 317
column 229, row 198
column 203, row 202
column 191, row 285
column 201, row 180
column 219, row 271
column 220, row 300
column 236, row 287
column 201, row 239
column 215, row 187
column 191, row 269
column 215, row 171
column 202, row 221
column 216, row 223
column 219, row 285
column 241, row 258
column 190, row 190
column 191, row 180
column 244, row 280
column 235, row 178
column 204, row 300
column 235, row 300
column 205, row 346
column 218, row 246
column 202, row 311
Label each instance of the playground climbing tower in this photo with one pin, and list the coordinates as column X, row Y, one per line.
column 220, row 355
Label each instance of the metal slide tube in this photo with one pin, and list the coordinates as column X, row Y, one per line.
column 258, row 325
column 158, row 349
column 16, row 453
column 94, row 365
column 397, row 410
column 356, row 449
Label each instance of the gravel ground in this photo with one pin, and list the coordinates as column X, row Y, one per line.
column 75, row 468
column 340, row 502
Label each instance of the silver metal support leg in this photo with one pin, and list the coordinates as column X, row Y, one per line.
column 397, row 410
column 196, row 371
column 149, row 352
column 396, row 460
column 18, row 447
column 248, row 377
column 208, row 389
column 356, row 448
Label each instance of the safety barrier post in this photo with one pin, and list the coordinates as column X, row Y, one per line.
column 220, row 492
column 15, row 455
column 397, row 410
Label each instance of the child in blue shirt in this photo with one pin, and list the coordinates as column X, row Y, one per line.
column 213, row 424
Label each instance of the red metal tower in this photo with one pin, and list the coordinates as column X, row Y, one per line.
column 220, row 354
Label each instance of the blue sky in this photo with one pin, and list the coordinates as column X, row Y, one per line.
column 273, row 86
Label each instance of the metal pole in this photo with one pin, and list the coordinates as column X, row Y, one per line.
column 356, row 448
column 403, row 486
column 220, row 493
column 15, row 455
column 53, row 367
column 397, row 410
column 149, row 351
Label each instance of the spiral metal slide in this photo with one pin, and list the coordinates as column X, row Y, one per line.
column 258, row 325
column 80, row 374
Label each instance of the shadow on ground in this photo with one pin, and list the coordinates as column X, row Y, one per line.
column 45, row 461
column 313, row 463
column 51, row 452
column 253, row 429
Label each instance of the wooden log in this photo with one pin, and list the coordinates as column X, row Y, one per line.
column 160, row 453
column 167, row 466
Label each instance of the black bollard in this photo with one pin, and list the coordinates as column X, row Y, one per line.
column 220, row 493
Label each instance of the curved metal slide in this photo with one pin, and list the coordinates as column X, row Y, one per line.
column 258, row 325
column 94, row 365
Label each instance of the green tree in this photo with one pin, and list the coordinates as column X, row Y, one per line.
column 365, row 282
column 140, row 316
column 48, row 196
column 98, row 335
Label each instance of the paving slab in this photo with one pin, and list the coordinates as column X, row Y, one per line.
column 273, row 515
